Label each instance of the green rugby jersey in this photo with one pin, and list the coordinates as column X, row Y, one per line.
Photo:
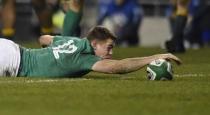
column 65, row 57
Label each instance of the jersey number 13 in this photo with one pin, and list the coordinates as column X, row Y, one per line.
column 67, row 48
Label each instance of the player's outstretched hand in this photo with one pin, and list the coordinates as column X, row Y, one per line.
column 169, row 56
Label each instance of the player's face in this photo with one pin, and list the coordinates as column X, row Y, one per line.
column 103, row 49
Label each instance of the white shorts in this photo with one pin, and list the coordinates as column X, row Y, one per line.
column 9, row 58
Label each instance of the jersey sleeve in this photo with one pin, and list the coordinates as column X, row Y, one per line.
column 87, row 61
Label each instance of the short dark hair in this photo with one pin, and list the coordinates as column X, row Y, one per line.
column 100, row 33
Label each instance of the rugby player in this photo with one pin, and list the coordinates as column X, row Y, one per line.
column 66, row 56
column 180, row 16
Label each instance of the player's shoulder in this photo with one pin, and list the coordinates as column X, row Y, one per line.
column 81, row 43
column 65, row 39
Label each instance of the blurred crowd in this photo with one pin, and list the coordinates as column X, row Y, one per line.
column 123, row 17
column 11, row 9
column 189, row 20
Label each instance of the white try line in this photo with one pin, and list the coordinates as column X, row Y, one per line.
column 43, row 81
column 192, row 75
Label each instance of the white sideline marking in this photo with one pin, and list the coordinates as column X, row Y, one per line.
column 44, row 81
column 84, row 79
column 191, row 75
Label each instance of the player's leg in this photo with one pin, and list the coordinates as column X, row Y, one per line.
column 44, row 10
column 73, row 9
column 10, row 59
column 194, row 34
column 8, row 18
column 175, row 45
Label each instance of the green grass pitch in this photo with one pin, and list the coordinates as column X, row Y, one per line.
column 101, row 94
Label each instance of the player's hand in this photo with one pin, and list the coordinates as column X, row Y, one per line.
column 74, row 5
column 169, row 56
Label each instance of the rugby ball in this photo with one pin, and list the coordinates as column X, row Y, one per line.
column 159, row 69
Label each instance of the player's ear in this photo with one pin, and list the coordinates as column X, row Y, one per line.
column 93, row 44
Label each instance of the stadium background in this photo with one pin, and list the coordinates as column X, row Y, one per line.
column 154, row 18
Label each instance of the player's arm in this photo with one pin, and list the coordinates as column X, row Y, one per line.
column 73, row 9
column 129, row 64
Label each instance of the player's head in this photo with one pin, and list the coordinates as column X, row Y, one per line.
column 102, row 41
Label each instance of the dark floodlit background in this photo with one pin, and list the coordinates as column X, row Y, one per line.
column 154, row 28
